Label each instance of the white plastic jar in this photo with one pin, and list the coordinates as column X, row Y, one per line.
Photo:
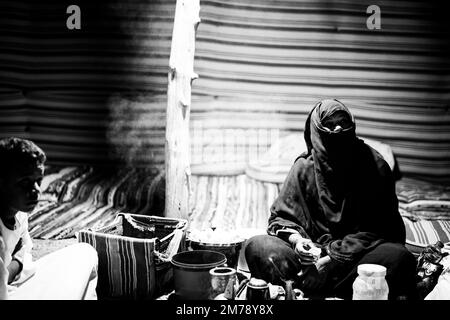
column 371, row 283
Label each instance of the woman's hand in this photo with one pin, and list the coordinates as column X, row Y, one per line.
column 306, row 250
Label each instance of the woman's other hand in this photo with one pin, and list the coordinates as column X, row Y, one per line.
column 323, row 264
column 310, row 279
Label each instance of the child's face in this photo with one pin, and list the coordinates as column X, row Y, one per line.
column 22, row 188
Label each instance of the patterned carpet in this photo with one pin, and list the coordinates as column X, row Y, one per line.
column 81, row 197
column 230, row 202
column 420, row 200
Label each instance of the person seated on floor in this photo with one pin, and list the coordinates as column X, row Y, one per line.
column 339, row 201
column 65, row 274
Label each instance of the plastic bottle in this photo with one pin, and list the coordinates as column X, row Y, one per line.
column 371, row 283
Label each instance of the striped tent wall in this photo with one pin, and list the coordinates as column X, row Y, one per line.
column 264, row 64
column 98, row 94
column 94, row 95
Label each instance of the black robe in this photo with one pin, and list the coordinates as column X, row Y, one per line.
column 347, row 206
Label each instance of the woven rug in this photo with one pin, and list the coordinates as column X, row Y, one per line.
column 81, row 197
column 422, row 232
column 425, row 209
column 230, row 202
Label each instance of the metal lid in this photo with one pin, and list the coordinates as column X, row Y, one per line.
column 258, row 283
column 371, row 270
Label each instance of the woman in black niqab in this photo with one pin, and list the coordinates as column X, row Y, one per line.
column 340, row 195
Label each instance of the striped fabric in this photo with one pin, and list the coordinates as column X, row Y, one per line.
column 423, row 201
column 230, row 202
column 421, row 233
column 75, row 198
column 240, row 202
column 126, row 266
column 97, row 95
column 89, row 96
column 134, row 264
column 263, row 64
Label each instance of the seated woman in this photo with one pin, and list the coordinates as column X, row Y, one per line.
column 338, row 199
column 69, row 273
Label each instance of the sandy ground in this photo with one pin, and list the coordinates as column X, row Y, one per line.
column 44, row 247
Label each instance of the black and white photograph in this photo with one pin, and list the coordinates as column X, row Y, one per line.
column 235, row 152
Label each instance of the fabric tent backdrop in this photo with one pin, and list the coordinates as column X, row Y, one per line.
column 266, row 63
column 97, row 95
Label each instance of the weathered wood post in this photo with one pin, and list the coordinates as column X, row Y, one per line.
column 181, row 75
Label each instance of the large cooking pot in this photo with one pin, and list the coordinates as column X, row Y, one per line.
column 191, row 276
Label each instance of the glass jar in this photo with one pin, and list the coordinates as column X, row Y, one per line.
column 371, row 283
column 223, row 280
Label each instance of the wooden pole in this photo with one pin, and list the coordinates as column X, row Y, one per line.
column 181, row 74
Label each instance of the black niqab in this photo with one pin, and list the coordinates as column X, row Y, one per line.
column 341, row 192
